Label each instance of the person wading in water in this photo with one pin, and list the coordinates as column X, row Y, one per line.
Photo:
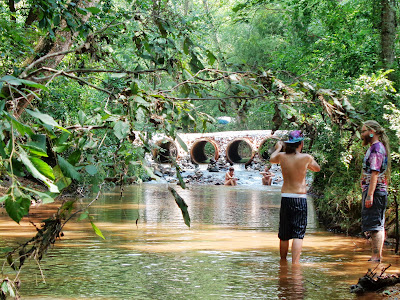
column 293, row 211
column 374, row 181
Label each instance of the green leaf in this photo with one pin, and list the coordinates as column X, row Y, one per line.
column 134, row 87
column 68, row 169
column 141, row 101
column 182, row 143
column 4, row 287
column 83, row 215
column 182, row 205
column 91, row 169
column 2, row 105
column 17, row 168
column 2, row 150
column 62, row 138
column 93, row 10
column 121, row 129
column 82, row 117
column 180, row 178
column 17, row 206
column 186, row 45
column 42, row 167
column 35, row 173
column 11, row 80
column 38, row 145
column 75, row 157
column 81, row 11
column 62, row 182
column 211, row 57
column 33, row 84
column 22, row 128
column 43, row 196
column 45, row 118
column 97, row 230
column 4, row 198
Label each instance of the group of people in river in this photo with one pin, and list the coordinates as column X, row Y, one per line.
column 293, row 211
column 266, row 179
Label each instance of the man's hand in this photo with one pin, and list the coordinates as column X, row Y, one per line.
column 279, row 145
column 368, row 201
column 274, row 158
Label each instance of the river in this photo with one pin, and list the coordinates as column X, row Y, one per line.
column 229, row 252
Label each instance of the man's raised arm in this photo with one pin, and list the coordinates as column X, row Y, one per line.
column 313, row 166
column 274, row 159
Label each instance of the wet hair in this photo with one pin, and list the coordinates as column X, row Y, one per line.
column 380, row 131
column 291, row 147
column 231, row 168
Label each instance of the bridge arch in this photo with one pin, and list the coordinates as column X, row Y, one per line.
column 240, row 151
column 203, row 150
column 165, row 152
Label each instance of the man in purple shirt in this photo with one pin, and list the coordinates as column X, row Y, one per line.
column 376, row 169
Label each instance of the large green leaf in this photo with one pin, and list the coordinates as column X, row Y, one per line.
column 2, row 105
column 182, row 143
column 91, row 169
column 97, row 230
column 11, row 80
column 35, row 172
column 93, row 10
column 121, row 129
column 61, row 181
column 38, row 145
column 42, row 167
column 45, row 118
column 18, row 205
column 182, row 205
column 68, row 169
column 43, row 196
column 2, row 150
column 75, row 157
column 22, row 128
column 82, row 117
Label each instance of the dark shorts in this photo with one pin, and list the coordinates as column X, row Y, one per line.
column 293, row 218
column 373, row 218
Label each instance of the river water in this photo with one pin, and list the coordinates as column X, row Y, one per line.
column 229, row 252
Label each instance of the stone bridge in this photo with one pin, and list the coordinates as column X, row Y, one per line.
column 236, row 147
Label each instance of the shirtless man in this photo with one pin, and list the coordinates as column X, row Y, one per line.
column 293, row 212
column 267, row 175
column 229, row 179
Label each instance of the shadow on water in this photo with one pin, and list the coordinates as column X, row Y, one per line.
column 229, row 252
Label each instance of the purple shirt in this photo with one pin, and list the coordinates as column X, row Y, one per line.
column 375, row 159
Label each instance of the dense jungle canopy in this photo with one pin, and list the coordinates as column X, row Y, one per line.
column 81, row 80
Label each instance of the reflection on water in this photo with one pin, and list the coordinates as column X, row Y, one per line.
column 230, row 251
column 291, row 284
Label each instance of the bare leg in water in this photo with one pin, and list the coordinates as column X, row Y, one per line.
column 377, row 240
column 297, row 246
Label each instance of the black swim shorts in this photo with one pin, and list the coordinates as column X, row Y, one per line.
column 373, row 218
column 293, row 218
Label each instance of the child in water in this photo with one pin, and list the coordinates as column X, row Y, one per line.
column 229, row 177
column 267, row 175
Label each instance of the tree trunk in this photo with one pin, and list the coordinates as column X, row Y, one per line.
column 388, row 33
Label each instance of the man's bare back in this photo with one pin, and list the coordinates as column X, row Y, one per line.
column 294, row 168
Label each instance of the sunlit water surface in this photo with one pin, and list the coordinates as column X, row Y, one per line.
column 229, row 252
